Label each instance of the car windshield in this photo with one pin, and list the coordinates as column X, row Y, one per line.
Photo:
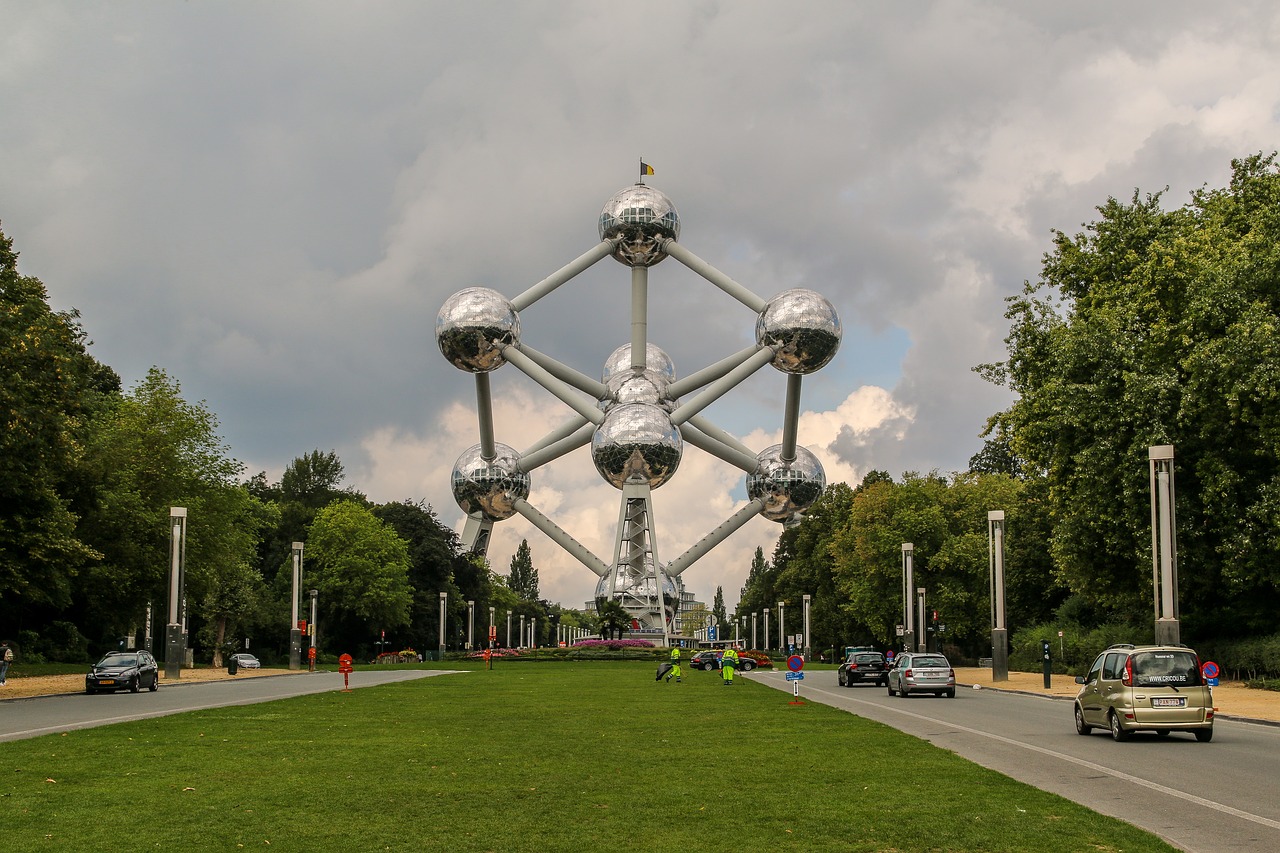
column 1175, row 669
column 929, row 662
column 119, row 660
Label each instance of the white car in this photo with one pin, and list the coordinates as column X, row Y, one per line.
column 922, row 672
column 244, row 660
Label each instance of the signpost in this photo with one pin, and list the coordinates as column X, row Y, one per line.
column 1209, row 670
column 795, row 663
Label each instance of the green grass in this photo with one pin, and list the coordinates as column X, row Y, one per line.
column 574, row 757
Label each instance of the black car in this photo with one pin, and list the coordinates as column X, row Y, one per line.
column 709, row 659
column 863, row 668
column 123, row 671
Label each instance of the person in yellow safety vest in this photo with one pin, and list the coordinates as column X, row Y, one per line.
column 728, row 664
column 675, row 664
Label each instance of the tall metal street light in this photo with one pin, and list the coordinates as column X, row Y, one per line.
column 444, row 598
column 923, row 643
column 908, row 608
column 1164, row 545
column 295, row 629
column 766, row 629
column 173, row 646
column 782, row 626
column 471, row 625
column 493, row 627
column 808, row 642
column 311, row 629
column 508, row 629
column 999, row 630
column 522, row 634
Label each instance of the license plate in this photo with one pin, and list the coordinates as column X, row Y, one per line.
column 107, row 681
column 1169, row 702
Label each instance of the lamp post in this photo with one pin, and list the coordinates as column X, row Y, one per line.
column 493, row 630
column 999, row 631
column 295, row 630
column 311, row 629
column 782, row 627
column 766, row 629
column 471, row 625
column 922, row 645
column 508, row 629
column 522, row 634
column 444, row 598
column 908, row 583
column 1164, row 545
column 173, row 647
column 808, row 642
column 755, row 615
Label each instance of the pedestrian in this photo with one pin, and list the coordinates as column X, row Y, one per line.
column 6, row 658
column 675, row 664
column 728, row 664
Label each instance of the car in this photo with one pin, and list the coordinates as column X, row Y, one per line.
column 123, row 671
column 1157, row 688
column 709, row 659
column 863, row 668
column 921, row 672
column 244, row 660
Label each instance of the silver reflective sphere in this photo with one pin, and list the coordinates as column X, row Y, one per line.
column 640, row 215
column 786, row 489
column 489, row 488
column 806, row 328
column 641, row 586
column 636, row 443
column 468, row 324
column 655, row 359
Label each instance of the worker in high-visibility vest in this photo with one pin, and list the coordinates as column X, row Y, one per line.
column 728, row 664
column 675, row 664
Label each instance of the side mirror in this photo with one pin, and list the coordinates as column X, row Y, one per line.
column 1079, row 679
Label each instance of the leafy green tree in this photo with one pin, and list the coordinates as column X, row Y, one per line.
column 611, row 618
column 717, row 610
column 50, row 389
column 1158, row 327
column 361, row 568
column 523, row 577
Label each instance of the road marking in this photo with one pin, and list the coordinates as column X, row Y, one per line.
column 1125, row 777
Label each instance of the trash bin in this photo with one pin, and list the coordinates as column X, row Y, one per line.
column 232, row 665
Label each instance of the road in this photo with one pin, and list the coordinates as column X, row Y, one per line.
column 1204, row 798
column 26, row 718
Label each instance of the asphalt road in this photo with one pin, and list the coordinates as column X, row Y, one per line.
column 1201, row 797
column 26, row 718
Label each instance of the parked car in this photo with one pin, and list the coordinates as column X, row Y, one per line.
column 1145, row 688
column 123, row 671
column 863, row 668
column 709, row 659
column 922, row 672
column 244, row 660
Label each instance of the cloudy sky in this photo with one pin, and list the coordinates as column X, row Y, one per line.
column 271, row 201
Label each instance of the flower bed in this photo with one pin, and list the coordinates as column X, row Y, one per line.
column 615, row 645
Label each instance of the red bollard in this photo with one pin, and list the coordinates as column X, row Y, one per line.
column 344, row 667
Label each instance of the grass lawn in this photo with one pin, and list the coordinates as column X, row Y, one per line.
column 587, row 756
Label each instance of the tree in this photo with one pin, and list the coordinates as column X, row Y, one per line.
column 1158, row 327
column 717, row 610
column 50, row 390
column 611, row 617
column 523, row 578
column 361, row 569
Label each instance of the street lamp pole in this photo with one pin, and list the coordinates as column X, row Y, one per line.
column 295, row 631
column 908, row 583
column 924, row 639
column 1164, row 545
column 471, row 625
column 522, row 633
column 508, row 629
column 766, row 629
column 444, row 598
column 999, row 630
column 311, row 629
column 492, row 628
column 782, row 626
column 173, row 648
column 808, row 641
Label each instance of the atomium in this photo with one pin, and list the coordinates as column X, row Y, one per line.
column 641, row 218
column 803, row 326
column 491, row 487
column 628, row 385
column 786, row 487
column 636, row 443
column 469, row 324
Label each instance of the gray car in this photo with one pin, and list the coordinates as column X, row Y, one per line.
column 922, row 672
column 1145, row 688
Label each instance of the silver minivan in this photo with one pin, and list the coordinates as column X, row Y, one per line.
column 1145, row 688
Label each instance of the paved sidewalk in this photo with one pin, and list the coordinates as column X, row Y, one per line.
column 1231, row 699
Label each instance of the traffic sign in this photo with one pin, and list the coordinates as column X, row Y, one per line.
column 1209, row 669
column 795, row 663
column 795, row 676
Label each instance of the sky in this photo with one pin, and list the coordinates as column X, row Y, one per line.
column 271, row 201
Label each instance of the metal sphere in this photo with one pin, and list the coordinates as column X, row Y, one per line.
column 785, row 488
column 655, row 359
column 470, row 322
column 627, row 385
column 636, row 443
column 641, row 216
column 640, row 586
column 805, row 327
column 489, row 488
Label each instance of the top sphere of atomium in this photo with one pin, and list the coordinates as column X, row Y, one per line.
column 470, row 325
column 489, row 487
column 803, row 326
column 642, row 217
column 786, row 487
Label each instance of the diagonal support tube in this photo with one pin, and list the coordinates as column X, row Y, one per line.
column 563, row 431
column 575, row 548
column 746, row 461
column 556, row 449
column 559, row 389
column 694, row 381
column 565, row 373
column 721, row 386
column 560, row 276
column 714, row 538
column 713, row 275
column 700, row 422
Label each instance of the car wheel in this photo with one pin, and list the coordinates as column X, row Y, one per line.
column 951, row 694
column 889, row 687
column 1082, row 728
column 1118, row 732
column 155, row 683
column 1162, row 732
column 134, row 685
column 1204, row 735
column 89, row 691
column 747, row 667
column 903, row 692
